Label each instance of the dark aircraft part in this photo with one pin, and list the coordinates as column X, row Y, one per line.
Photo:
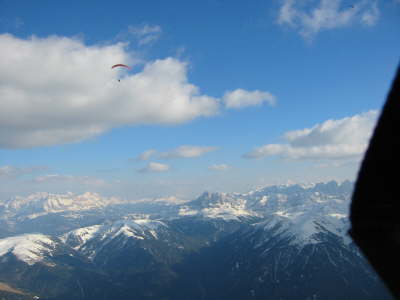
column 375, row 207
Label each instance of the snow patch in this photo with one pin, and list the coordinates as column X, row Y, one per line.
column 338, row 216
column 30, row 248
column 186, row 211
column 264, row 200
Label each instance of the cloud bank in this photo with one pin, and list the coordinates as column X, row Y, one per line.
column 334, row 139
column 57, row 90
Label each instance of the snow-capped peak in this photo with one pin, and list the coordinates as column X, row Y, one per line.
column 217, row 205
column 136, row 227
column 42, row 203
column 30, row 248
column 288, row 199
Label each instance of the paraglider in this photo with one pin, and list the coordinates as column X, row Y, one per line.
column 122, row 66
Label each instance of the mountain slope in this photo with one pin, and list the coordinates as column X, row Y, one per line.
column 278, row 242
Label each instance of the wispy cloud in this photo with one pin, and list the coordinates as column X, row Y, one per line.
column 220, row 167
column 146, row 34
column 187, row 151
column 370, row 16
column 309, row 19
column 58, row 178
column 146, row 155
column 155, row 167
column 241, row 98
column 12, row 172
column 334, row 139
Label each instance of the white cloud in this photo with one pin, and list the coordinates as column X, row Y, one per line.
column 146, row 155
column 11, row 172
column 187, row 151
column 58, row 90
column 334, row 139
column 57, row 178
column 309, row 19
column 241, row 98
column 155, row 167
column 221, row 167
column 146, row 33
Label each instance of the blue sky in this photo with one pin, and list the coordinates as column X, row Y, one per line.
column 222, row 95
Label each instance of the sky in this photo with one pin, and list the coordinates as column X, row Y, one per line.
column 221, row 95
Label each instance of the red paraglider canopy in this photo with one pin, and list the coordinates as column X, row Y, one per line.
column 120, row 65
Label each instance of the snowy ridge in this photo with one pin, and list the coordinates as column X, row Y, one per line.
column 73, row 205
column 329, row 199
column 171, row 200
column 81, row 236
column 218, row 205
column 88, row 239
column 42, row 203
column 300, row 211
column 303, row 228
column 30, row 248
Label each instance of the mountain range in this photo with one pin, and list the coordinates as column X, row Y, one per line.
column 276, row 242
